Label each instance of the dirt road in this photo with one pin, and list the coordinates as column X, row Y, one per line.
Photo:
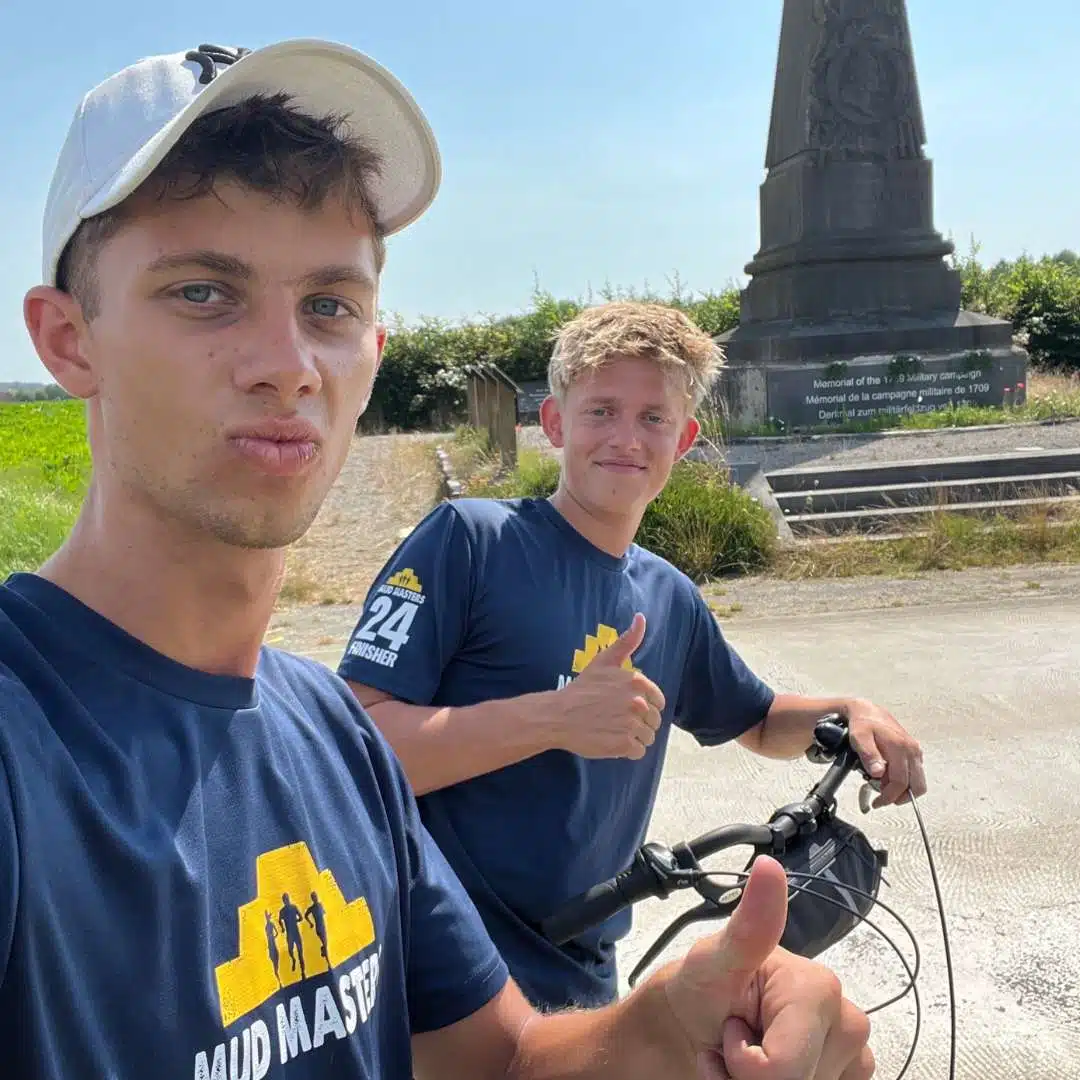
column 992, row 691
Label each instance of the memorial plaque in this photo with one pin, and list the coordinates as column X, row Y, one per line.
column 530, row 399
column 816, row 395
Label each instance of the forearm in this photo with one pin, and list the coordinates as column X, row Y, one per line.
column 440, row 746
column 788, row 729
column 638, row 1037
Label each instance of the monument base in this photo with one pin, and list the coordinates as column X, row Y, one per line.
column 788, row 377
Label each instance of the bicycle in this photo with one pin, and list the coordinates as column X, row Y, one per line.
column 836, row 857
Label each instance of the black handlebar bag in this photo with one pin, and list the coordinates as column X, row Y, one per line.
column 834, row 875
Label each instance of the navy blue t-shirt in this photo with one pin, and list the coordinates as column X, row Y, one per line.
column 209, row 876
column 491, row 599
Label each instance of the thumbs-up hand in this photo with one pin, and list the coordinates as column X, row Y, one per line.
column 610, row 710
column 619, row 652
column 752, row 1011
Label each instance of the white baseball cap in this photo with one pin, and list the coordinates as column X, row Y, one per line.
column 126, row 124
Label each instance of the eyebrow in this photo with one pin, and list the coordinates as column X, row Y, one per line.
column 219, row 263
column 597, row 400
column 215, row 261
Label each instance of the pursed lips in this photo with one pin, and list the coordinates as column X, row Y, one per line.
column 282, row 447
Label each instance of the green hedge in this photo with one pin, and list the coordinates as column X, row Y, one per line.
column 421, row 385
column 700, row 522
column 1041, row 297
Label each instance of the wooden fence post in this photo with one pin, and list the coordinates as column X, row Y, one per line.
column 505, row 417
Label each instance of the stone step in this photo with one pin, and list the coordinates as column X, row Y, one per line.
column 807, row 478
column 941, row 493
column 902, row 519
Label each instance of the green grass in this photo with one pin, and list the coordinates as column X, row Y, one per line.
column 44, row 468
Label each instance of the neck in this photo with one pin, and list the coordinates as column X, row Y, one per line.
column 191, row 597
column 612, row 533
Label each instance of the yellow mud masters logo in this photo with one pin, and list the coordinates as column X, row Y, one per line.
column 298, row 925
column 604, row 637
column 388, row 618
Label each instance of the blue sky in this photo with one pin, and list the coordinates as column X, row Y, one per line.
column 583, row 141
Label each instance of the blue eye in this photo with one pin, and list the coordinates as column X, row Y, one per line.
column 197, row 294
column 326, row 306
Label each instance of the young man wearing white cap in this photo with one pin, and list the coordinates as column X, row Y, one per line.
column 211, row 864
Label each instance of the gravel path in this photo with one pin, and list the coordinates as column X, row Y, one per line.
column 322, row 630
column 903, row 446
column 387, row 484
column 386, row 487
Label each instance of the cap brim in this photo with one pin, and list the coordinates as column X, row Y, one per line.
column 322, row 78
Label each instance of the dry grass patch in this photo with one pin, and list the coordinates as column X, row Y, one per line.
column 948, row 541
column 387, row 485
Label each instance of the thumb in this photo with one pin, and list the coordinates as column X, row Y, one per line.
column 625, row 645
column 757, row 924
column 711, row 981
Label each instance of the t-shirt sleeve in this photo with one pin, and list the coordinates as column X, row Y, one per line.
column 9, row 868
column 721, row 697
column 416, row 614
column 453, row 968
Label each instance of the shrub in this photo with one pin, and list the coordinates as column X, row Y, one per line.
column 1040, row 297
column 707, row 526
column 700, row 522
column 536, row 477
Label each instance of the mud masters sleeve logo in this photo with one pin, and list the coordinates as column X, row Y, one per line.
column 299, row 925
column 388, row 619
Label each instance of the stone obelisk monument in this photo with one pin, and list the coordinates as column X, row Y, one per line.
column 851, row 308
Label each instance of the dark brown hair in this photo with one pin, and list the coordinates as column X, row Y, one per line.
column 264, row 143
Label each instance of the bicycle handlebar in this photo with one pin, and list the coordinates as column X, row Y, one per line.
column 656, row 870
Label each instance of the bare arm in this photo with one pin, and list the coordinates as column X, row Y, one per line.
column 890, row 754
column 788, row 729
column 637, row 1037
column 608, row 711
column 440, row 746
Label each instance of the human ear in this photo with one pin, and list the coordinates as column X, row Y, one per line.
column 551, row 421
column 58, row 330
column 687, row 437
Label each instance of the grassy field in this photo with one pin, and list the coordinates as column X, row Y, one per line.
column 44, row 466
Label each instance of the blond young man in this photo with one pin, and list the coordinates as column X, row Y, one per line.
column 172, row 792
column 527, row 659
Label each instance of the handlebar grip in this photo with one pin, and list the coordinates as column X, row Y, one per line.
column 578, row 915
column 602, row 901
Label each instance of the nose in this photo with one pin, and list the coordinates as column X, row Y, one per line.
column 625, row 434
column 281, row 358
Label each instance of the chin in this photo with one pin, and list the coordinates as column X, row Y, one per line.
column 622, row 503
column 276, row 527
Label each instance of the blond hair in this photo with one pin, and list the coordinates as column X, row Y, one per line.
column 626, row 328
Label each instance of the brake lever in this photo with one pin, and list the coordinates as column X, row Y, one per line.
column 719, row 902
